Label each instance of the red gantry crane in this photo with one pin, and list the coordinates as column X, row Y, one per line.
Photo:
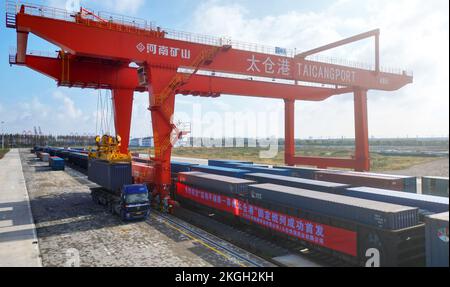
column 97, row 50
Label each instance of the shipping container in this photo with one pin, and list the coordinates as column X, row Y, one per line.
column 434, row 185
column 177, row 166
column 302, row 172
column 373, row 213
column 426, row 203
column 316, row 185
column 56, row 163
column 44, row 156
column 340, row 238
column 79, row 159
column 111, row 176
column 436, row 240
column 226, row 171
column 256, row 169
column 237, row 165
column 141, row 160
column 143, row 173
column 226, row 162
column 355, row 179
column 215, row 183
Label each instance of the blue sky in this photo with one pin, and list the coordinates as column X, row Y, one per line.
column 414, row 35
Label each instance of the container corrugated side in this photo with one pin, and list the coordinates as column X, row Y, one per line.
column 256, row 169
column 226, row 162
column 434, row 185
column 177, row 166
column 215, row 183
column 56, row 163
column 378, row 214
column 437, row 240
column 362, row 179
column 233, row 172
column 310, row 184
column 111, row 176
column 426, row 203
column 302, row 172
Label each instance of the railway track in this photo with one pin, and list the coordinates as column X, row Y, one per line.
column 231, row 252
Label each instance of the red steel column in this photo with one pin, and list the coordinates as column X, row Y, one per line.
column 123, row 106
column 162, row 125
column 362, row 157
column 289, row 140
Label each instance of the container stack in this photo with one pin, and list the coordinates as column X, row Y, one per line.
column 217, row 183
column 373, row 213
column 257, row 169
column 392, row 182
column 226, row 171
column 427, row 204
column 316, row 185
column 226, row 162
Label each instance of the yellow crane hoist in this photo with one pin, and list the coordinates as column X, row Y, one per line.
column 108, row 148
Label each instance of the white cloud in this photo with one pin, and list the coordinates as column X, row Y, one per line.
column 117, row 6
column 414, row 34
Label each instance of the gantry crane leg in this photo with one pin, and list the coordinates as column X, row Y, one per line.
column 361, row 159
column 123, row 104
column 362, row 156
column 162, row 124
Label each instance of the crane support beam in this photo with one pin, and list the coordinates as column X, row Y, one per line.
column 374, row 33
column 91, row 73
column 89, row 40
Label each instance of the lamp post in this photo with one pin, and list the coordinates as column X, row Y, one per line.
column 3, row 136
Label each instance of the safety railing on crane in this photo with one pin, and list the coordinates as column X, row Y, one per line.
column 132, row 24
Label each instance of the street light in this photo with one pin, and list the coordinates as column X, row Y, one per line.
column 3, row 136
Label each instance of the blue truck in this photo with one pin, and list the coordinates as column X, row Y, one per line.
column 130, row 202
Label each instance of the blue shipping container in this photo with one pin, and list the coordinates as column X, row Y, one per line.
column 111, row 176
column 379, row 214
column 316, row 185
column 233, row 172
column 255, row 169
column 177, row 166
column 302, row 172
column 434, row 185
column 56, row 163
column 426, row 203
column 226, row 162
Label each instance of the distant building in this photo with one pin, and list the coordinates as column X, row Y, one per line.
column 147, row 142
column 136, row 142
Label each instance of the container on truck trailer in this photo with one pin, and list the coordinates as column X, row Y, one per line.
column 436, row 240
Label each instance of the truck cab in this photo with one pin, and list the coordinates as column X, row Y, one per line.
column 134, row 203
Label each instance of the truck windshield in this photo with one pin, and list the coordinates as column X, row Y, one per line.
column 136, row 198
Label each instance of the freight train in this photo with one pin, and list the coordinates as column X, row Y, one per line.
column 361, row 232
column 361, row 225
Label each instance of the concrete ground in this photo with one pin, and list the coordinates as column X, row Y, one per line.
column 18, row 241
column 73, row 231
column 439, row 167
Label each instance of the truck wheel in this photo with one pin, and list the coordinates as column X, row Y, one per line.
column 111, row 208
column 122, row 215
